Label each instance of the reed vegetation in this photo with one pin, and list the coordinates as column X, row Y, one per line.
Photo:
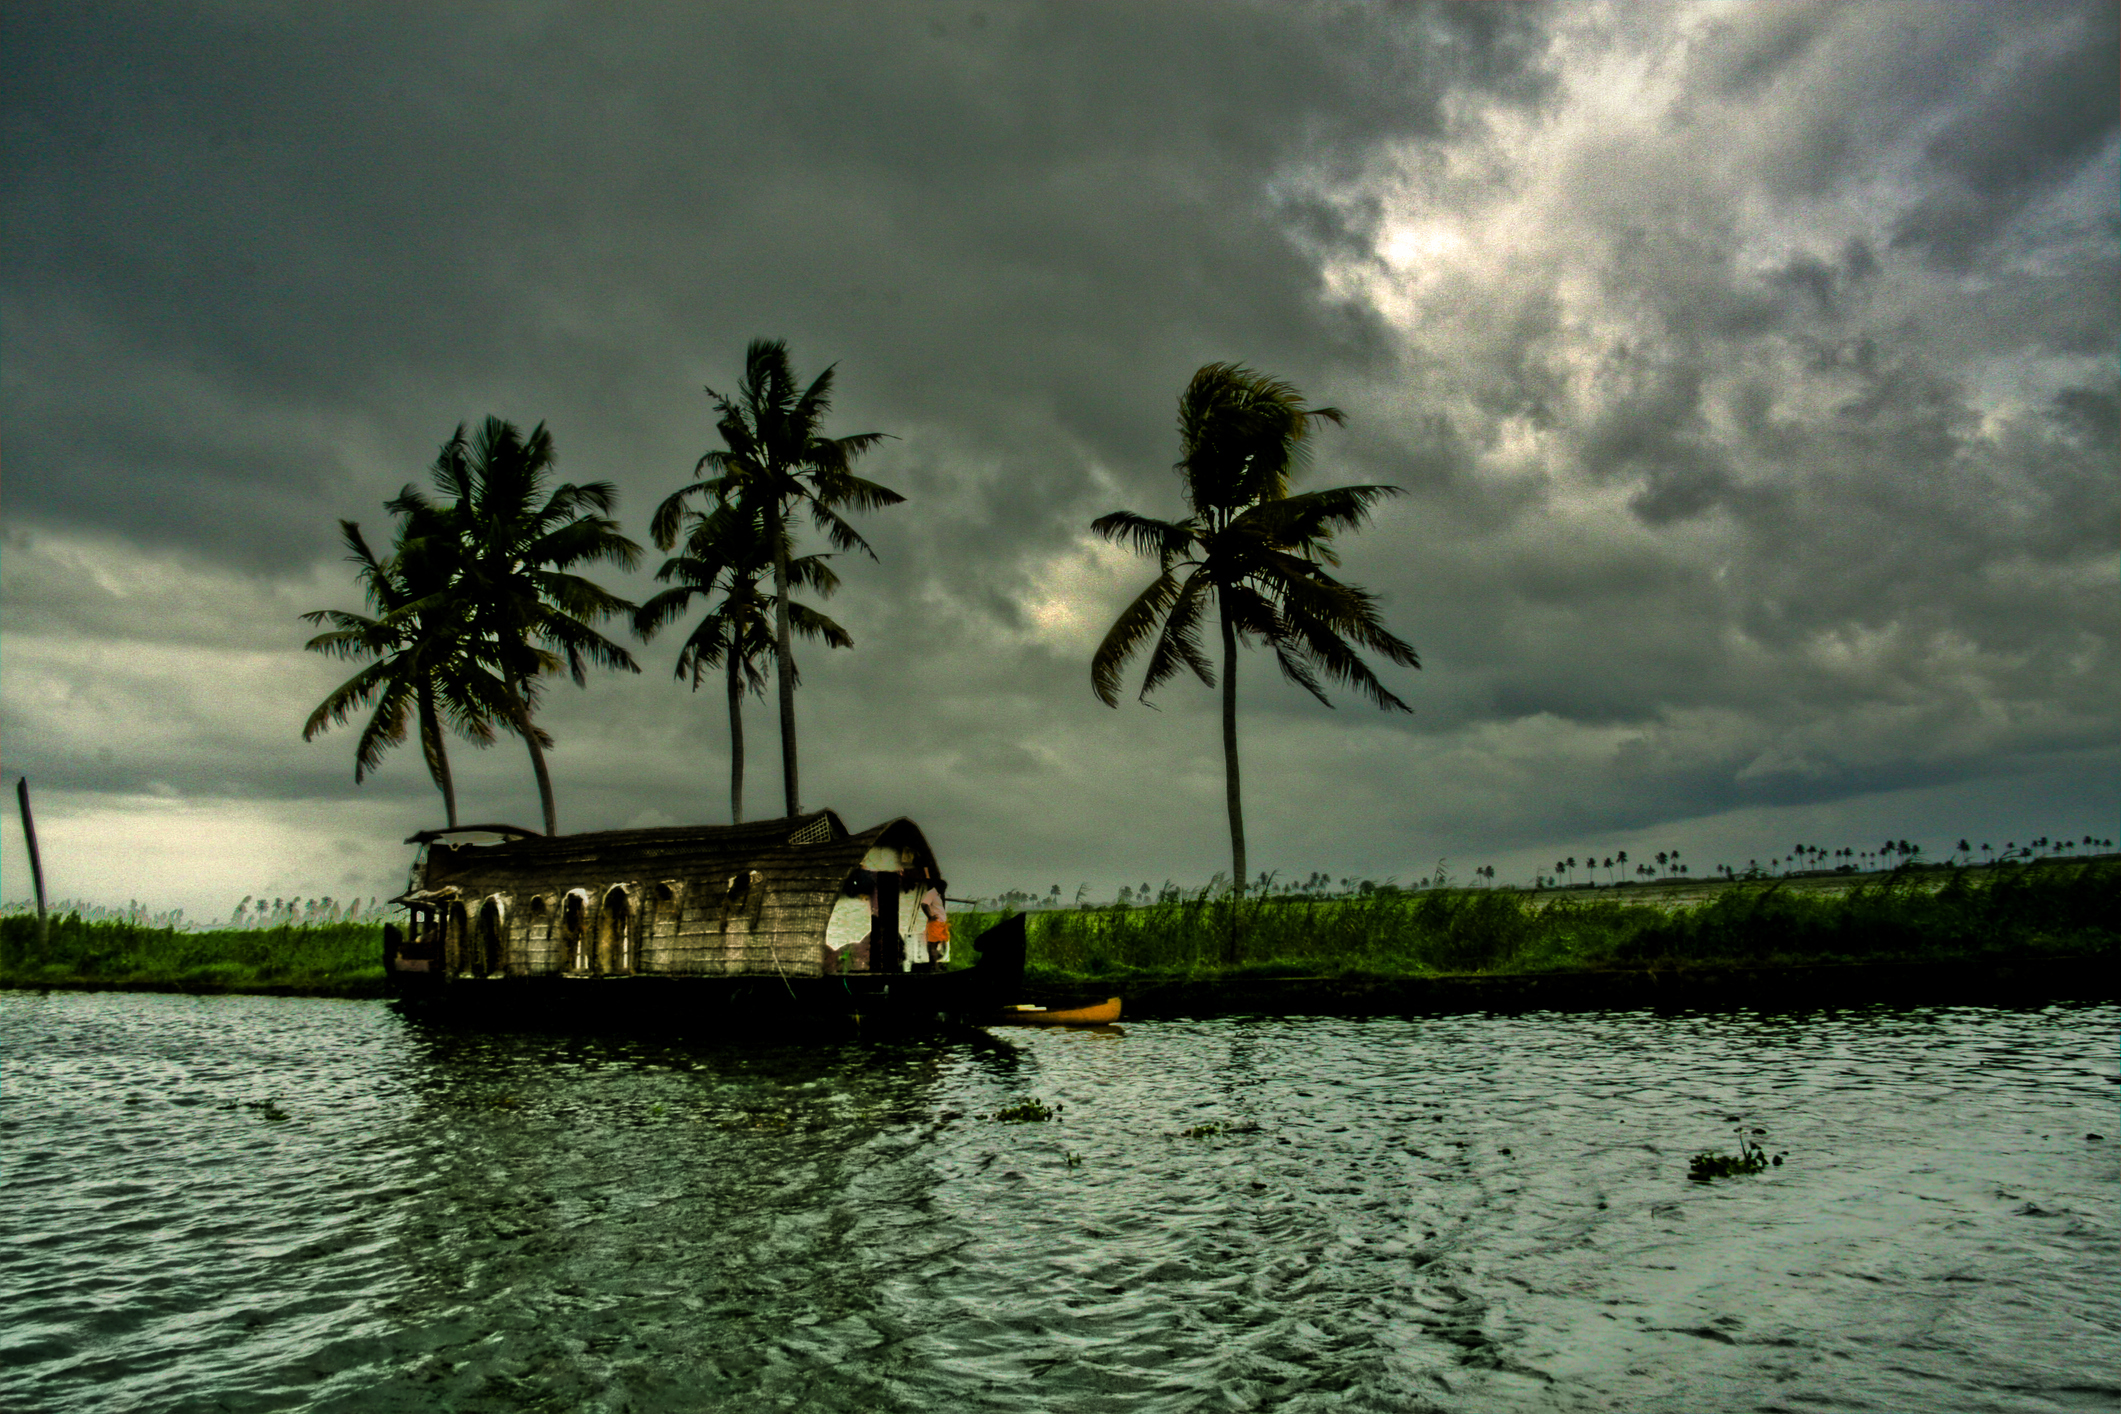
column 1911, row 914
column 340, row 959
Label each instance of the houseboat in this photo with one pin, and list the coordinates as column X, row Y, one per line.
column 735, row 921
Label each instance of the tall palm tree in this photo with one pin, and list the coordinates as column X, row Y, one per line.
column 774, row 459
column 724, row 553
column 503, row 545
column 418, row 669
column 1259, row 552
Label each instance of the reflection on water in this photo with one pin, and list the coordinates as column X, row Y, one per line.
column 248, row 1203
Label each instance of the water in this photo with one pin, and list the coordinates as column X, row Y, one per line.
column 245, row 1204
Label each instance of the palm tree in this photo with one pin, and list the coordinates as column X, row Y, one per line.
column 417, row 669
column 1259, row 552
column 774, row 458
column 724, row 553
column 502, row 546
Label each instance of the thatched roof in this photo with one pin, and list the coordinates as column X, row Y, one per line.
column 806, row 856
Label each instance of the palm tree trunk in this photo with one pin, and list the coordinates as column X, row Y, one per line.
column 736, row 739
column 784, row 665
column 437, row 752
column 537, row 754
column 36, row 864
column 1230, row 780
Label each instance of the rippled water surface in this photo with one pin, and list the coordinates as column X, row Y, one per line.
column 250, row 1203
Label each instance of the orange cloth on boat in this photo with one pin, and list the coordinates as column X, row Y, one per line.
column 938, row 917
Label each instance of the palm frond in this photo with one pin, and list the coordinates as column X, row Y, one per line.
column 837, row 531
column 1134, row 627
column 835, row 485
column 1317, row 625
column 807, row 622
column 1178, row 646
column 582, row 598
column 1295, row 670
column 1241, row 435
column 348, row 698
column 1346, row 611
column 386, row 728
column 582, row 646
column 812, row 573
column 1318, row 515
column 1167, row 541
column 661, row 610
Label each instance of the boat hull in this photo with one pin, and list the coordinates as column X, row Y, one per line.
column 1103, row 1013
column 862, row 1001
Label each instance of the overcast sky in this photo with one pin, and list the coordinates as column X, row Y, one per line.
column 1750, row 370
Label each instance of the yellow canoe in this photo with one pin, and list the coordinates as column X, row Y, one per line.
column 1103, row 1013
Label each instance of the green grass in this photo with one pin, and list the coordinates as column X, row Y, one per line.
column 1913, row 914
column 340, row 958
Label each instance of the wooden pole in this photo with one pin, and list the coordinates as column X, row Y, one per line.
column 36, row 862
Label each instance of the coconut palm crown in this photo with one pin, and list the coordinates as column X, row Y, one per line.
column 1259, row 553
column 503, row 546
column 774, row 458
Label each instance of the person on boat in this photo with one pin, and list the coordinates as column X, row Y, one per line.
column 936, row 936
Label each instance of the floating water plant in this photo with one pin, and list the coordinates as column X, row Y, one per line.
column 1027, row 1112
column 1751, row 1157
column 1220, row 1126
column 1708, row 1164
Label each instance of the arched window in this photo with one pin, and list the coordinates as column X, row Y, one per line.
column 489, row 941
column 573, row 912
column 614, row 951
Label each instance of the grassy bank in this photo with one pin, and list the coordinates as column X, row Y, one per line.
column 1914, row 915
column 340, row 959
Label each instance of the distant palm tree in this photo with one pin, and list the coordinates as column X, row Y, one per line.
column 773, row 459
column 724, row 553
column 1259, row 553
column 502, row 544
column 419, row 668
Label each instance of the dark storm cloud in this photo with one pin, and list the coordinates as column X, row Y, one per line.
column 1034, row 210
column 2035, row 124
column 1749, row 371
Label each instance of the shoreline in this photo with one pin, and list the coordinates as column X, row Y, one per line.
column 2017, row 980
